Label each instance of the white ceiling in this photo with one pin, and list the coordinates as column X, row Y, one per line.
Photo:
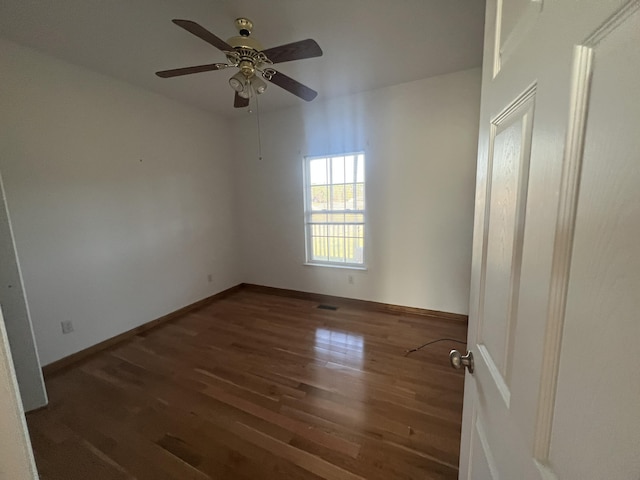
column 367, row 44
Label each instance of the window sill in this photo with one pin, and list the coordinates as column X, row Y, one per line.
column 343, row 267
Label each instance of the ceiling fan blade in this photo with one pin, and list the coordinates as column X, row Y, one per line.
column 239, row 102
column 293, row 86
column 203, row 33
column 176, row 72
column 294, row 51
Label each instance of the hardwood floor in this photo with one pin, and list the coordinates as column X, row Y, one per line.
column 258, row 386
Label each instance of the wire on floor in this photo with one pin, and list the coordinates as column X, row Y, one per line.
column 407, row 352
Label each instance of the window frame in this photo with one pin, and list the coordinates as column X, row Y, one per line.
column 308, row 211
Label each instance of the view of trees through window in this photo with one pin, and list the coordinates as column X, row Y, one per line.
column 335, row 209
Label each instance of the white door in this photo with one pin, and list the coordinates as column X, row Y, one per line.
column 16, row 316
column 555, row 299
column 16, row 456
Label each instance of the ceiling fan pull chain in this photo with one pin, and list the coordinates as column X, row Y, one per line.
column 258, row 123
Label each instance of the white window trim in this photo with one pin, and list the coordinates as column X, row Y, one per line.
column 307, row 209
column 347, row 266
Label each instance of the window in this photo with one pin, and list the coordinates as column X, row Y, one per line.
column 335, row 210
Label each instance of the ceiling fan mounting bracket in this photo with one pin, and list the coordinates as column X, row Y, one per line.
column 244, row 26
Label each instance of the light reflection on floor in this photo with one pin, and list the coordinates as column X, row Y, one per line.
column 340, row 359
column 343, row 348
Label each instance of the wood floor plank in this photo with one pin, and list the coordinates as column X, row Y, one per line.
column 259, row 386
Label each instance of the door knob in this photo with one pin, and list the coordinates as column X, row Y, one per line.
column 458, row 360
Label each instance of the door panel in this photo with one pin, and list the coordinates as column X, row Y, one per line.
column 506, row 200
column 514, row 19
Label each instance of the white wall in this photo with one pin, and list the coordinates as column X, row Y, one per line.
column 420, row 141
column 121, row 200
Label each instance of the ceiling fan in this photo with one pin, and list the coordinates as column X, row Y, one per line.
column 253, row 62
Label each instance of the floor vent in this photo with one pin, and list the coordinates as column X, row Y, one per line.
column 322, row 306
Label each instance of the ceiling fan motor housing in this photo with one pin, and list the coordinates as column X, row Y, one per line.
column 244, row 26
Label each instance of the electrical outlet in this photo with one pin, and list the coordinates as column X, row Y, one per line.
column 351, row 279
column 210, row 278
column 67, row 327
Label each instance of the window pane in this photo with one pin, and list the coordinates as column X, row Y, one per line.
column 319, row 249
column 319, row 197
column 319, row 230
column 336, row 249
column 354, row 250
column 337, row 197
column 360, row 169
column 318, row 171
column 353, row 230
column 337, row 170
column 348, row 230
column 335, row 217
column 359, row 196
column 348, row 196
column 354, row 218
column 349, row 169
column 318, row 218
column 336, row 230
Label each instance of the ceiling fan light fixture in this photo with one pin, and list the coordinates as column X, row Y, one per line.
column 237, row 82
column 258, row 85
